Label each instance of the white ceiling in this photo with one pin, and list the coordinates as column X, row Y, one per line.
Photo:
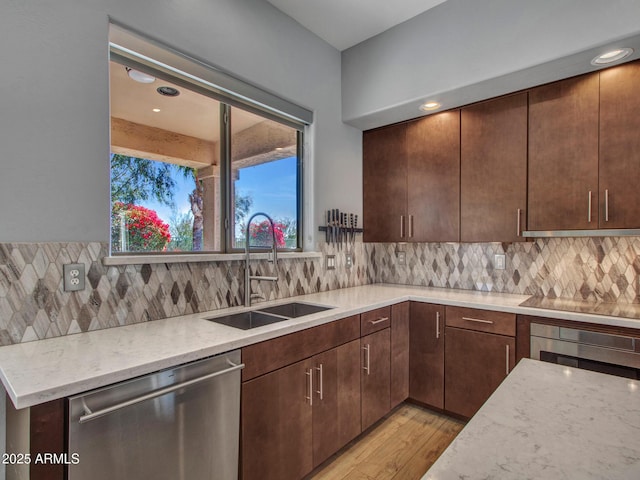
column 345, row 23
column 190, row 113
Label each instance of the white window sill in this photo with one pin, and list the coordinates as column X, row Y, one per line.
column 200, row 257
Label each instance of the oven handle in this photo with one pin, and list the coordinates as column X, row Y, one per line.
column 89, row 415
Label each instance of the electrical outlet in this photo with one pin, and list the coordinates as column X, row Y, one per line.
column 331, row 262
column 402, row 258
column 499, row 261
column 73, row 277
column 348, row 260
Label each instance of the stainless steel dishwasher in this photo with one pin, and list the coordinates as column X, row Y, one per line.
column 176, row 424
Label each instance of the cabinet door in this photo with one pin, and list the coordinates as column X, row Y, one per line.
column 384, row 171
column 277, row 423
column 475, row 364
column 620, row 147
column 426, row 362
column 493, row 179
column 375, row 377
column 336, row 404
column 433, row 182
column 563, row 155
column 399, row 353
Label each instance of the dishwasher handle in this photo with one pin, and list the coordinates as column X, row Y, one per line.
column 89, row 415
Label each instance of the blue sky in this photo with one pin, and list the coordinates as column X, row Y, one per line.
column 272, row 186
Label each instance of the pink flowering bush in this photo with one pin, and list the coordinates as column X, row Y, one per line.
column 144, row 229
column 260, row 234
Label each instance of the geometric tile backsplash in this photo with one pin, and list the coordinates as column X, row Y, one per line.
column 34, row 306
column 587, row 268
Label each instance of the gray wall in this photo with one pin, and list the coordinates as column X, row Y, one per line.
column 54, row 104
column 463, row 51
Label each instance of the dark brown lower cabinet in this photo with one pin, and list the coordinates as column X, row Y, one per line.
column 295, row 418
column 336, row 401
column 426, row 360
column 475, row 364
column 376, row 376
column 277, row 424
column 399, row 353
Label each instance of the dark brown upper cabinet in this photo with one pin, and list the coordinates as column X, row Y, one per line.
column 493, row 193
column 384, row 173
column 563, row 155
column 411, row 175
column 619, row 168
column 433, row 181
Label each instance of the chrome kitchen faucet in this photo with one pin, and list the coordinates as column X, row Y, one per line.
column 247, row 258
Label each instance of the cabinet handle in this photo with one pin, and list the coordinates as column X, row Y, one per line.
column 606, row 205
column 410, row 226
column 507, row 360
column 589, row 209
column 320, row 382
column 401, row 226
column 367, row 357
column 437, row 324
column 380, row 320
column 518, row 222
column 309, row 374
column 477, row 320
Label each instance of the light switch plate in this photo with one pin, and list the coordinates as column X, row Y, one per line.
column 499, row 261
column 73, row 277
column 331, row 262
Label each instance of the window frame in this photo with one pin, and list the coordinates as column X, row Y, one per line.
column 227, row 101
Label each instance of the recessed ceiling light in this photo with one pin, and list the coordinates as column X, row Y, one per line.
column 612, row 56
column 168, row 91
column 156, row 110
column 426, row 107
column 139, row 76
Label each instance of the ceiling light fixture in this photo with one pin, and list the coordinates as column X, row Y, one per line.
column 168, row 91
column 428, row 106
column 612, row 56
column 156, row 110
column 139, row 76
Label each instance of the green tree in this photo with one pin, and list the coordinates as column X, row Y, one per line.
column 134, row 179
column 181, row 228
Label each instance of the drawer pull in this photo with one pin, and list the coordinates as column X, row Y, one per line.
column 380, row 320
column 477, row 320
column 437, row 324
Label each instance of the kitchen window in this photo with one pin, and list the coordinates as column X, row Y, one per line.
column 190, row 163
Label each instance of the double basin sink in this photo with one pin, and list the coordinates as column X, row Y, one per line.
column 268, row 315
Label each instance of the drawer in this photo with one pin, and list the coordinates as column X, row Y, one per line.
column 375, row 320
column 270, row 355
column 481, row 320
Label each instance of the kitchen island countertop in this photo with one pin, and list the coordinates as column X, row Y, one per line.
column 549, row 422
column 44, row 370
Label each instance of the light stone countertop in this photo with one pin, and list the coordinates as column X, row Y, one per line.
column 549, row 422
column 44, row 370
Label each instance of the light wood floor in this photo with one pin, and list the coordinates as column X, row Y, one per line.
column 402, row 447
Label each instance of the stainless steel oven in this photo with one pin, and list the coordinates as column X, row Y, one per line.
column 600, row 352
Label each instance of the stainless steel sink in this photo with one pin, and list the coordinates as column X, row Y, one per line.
column 294, row 309
column 266, row 316
column 247, row 320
